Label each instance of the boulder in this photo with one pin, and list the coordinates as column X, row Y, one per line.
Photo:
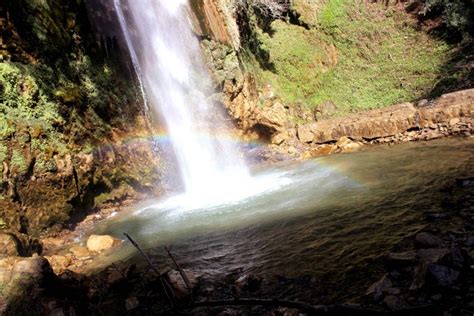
column 98, row 243
column 432, row 255
column 178, row 284
column 395, row 303
column 443, row 275
column 425, row 239
column 8, row 245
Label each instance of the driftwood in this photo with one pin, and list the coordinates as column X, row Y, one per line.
column 164, row 284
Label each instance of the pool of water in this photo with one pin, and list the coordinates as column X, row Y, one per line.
column 321, row 219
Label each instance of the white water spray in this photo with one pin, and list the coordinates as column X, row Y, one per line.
column 167, row 58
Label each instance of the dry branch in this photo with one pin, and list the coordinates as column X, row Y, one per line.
column 165, row 285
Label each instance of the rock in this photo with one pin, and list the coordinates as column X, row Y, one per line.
column 178, row 284
column 395, row 303
column 378, row 288
column 443, row 275
column 454, row 121
column 59, row 263
column 280, row 138
column 351, row 147
column 343, row 141
column 436, row 297
column 402, row 258
column 457, row 259
column 8, row 245
column 321, row 150
column 80, row 252
column 131, row 303
column 305, row 135
column 249, row 283
column 114, row 277
column 432, row 255
column 469, row 242
column 419, row 277
column 98, row 243
column 428, row 240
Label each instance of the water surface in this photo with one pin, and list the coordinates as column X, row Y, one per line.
column 320, row 219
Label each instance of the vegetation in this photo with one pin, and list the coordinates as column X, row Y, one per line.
column 358, row 56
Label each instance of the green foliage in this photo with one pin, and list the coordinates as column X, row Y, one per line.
column 379, row 58
column 458, row 15
column 18, row 162
column 295, row 55
column 383, row 60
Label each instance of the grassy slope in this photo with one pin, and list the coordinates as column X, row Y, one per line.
column 381, row 58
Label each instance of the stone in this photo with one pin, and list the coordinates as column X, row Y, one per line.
column 425, row 239
column 457, row 259
column 419, row 277
column 97, row 243
column 378, row 288
column 8, row 245
column 351, row 147
column 402, row 258
column 305, row 135
column 114, row 277
column 432, row 255
column 131, row 303
column 395, row 303
column 249, row 283
column 469, row 242
column 443, row 275
column 454, row 121
column 178, row 284
column 280, row 138
column 80, row 252
column 322, row 150
column 343, row 141
column 59, row 263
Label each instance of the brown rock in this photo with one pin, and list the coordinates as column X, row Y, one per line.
column 178, row 283
column 8, row 245
column 305, row 135
column 80, row 252
column 96, row 243
column 402, row 258
column 428, row 240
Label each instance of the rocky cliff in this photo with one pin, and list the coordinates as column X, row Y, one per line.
column 280, row 66
column 67, row 106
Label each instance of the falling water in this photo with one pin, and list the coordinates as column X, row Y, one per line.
column 166, row 55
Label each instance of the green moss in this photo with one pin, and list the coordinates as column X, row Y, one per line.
column 359, row 56
column 383, row 60
column 3, row 155
column 18, row 162
column 296, row 56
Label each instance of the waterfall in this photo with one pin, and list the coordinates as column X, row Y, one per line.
column 167, row 58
